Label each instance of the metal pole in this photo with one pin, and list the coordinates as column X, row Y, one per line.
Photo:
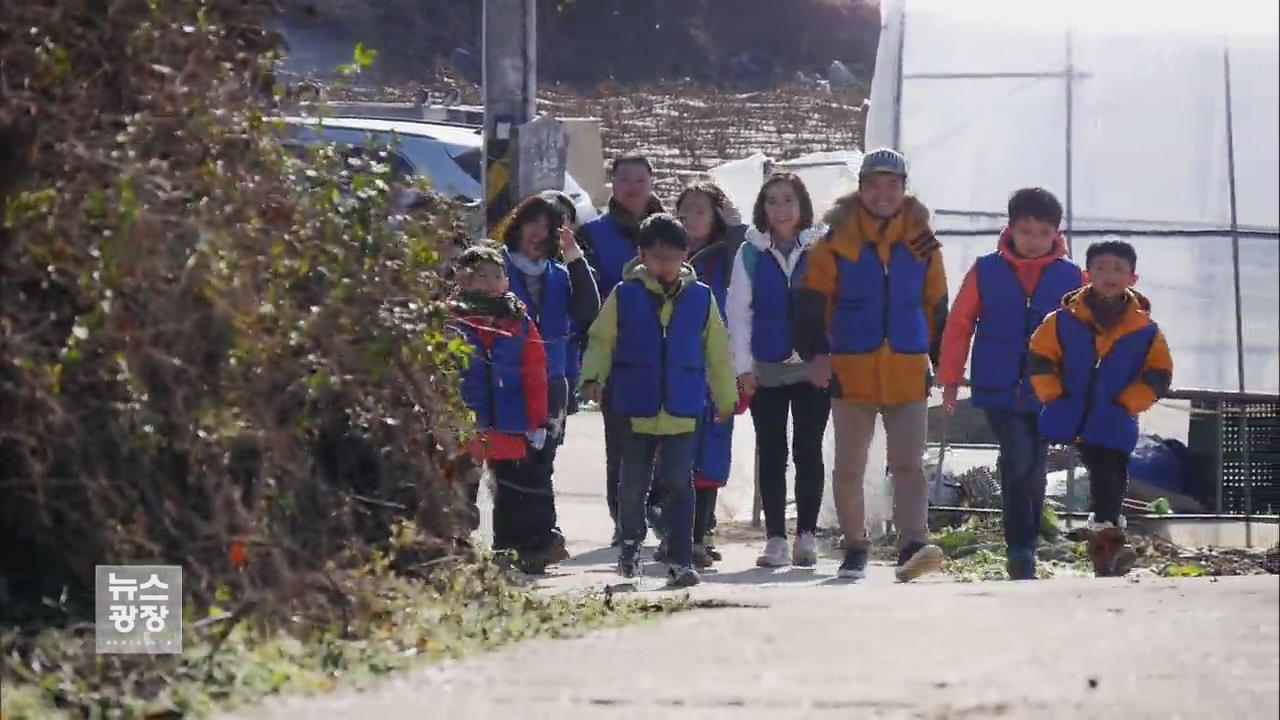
column 1071, row 79
column 897, row 91
column 1235, row 271
column 757, row 505
column 509, row 46
column 1069, row 215
column 1220, row 428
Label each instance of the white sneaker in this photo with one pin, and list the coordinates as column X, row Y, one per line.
column 774, row 555
column 805, row 551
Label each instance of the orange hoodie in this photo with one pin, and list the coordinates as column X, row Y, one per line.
column 958, row 335
column 882, row 377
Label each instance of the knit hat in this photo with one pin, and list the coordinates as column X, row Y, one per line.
column 883, row 160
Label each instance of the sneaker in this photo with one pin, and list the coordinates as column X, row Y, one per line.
column 682, row 576
column 916, row 559
column 775, row 553
column 660, row 553
column 854, row 566
column 701, row 558
column 1110, row 554
column 805, row 551
column 629, row 559
column 713, row 553
column 557, row 551
column 532, row 562
column 1021, row 563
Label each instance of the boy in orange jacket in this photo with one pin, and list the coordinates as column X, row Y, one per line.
column 1004, row 297
column 1096, row 363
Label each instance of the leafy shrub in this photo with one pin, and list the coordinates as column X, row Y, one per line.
column 214, row 351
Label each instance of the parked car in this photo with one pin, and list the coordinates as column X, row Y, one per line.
column 450, row 156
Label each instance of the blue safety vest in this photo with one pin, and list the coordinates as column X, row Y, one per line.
column 551, row 315
column 612, row 250
column 714, row 441
column 714, row 266
column 771, row 303
column 654, row 367
column 493, row 382
column 1088, row 409
column 875, row 303
column 1007, row 319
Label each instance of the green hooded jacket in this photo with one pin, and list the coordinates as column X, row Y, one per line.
column 715, row 342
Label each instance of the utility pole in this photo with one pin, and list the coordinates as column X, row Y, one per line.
column 523, row 154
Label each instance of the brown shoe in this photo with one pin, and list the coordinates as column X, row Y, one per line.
column 1110, row 554
column 701, row 558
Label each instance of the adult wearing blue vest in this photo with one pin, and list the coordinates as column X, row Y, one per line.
column 557, row 295
column 1004, row 297
column 873, row 308
column 715, row 233
column 609, row 243
column 770, row 262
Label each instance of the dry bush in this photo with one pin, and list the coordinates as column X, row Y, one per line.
column 209, row 342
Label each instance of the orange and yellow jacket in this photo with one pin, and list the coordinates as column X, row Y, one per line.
column 1094, row 381
column 880, row 376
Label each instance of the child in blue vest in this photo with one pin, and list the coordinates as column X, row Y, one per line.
column 505, row 385
column 556, row 295
column 772, row 261
column 609, row 243
column 659, row 344
column 1097, row 362
column 1004, row 297
column 715, row 232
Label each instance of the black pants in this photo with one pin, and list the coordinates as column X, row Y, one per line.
column 809, row 407
column 704, row 512
column 524, row 509
column 1108, row 480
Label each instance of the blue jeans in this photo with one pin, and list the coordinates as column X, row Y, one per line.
column 1022, row 465
column 675, row 473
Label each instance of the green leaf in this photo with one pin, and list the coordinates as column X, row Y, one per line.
column 363, row 56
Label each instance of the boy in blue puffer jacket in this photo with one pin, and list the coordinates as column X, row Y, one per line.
column 1003, row 298
column 1097, row 362
column 659, row 344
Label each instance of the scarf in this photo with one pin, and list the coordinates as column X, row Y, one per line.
column 500, row 307
column 529, row 267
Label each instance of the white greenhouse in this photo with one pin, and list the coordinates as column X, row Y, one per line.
column 1155, row 121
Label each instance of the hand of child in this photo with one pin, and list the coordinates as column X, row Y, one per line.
column 744, row 402
column 593, row 392
column 537, row 438
column 820, row 371
column 949, row 395
column 747, row 383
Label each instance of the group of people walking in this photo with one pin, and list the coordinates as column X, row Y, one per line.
column 683, row 321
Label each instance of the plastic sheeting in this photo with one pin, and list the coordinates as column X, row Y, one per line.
column 979, row 96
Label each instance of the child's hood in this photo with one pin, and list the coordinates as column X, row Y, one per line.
column 1137, row 312
column 1013, row 258
column 636, row 270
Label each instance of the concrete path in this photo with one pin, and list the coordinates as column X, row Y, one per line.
column 799, row 643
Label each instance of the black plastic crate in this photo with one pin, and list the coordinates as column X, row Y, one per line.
column 1262, row 432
